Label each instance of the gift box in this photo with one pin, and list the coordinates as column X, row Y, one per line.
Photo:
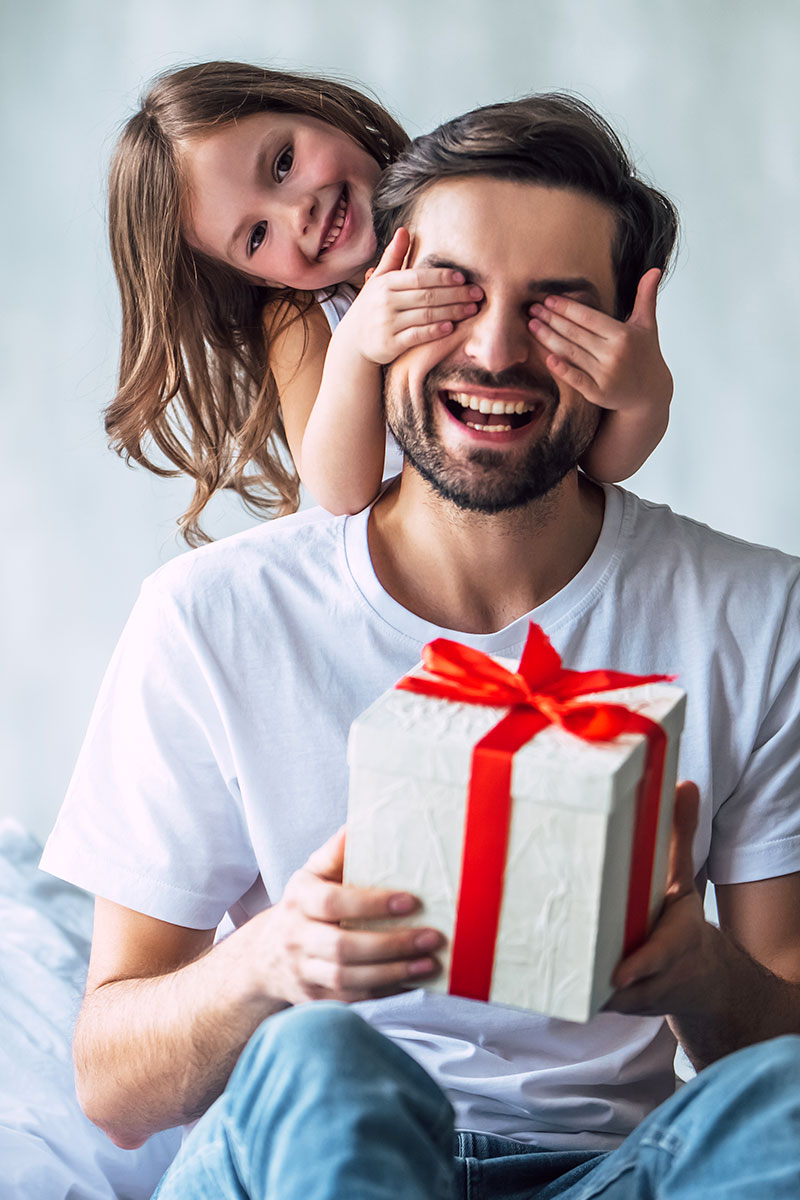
column 529, row 808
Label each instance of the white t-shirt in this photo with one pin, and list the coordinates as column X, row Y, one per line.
column 335, row 304
column 215, row 759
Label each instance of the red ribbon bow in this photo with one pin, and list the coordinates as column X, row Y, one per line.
column 539, row 693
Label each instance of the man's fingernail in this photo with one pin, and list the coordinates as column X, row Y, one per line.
column 457, row 277
column 401, row 903
column 421, row 966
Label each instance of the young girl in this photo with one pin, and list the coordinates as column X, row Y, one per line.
column 241, row 234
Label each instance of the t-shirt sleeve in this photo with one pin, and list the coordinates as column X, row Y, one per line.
column 153, row 817
column 756, row 831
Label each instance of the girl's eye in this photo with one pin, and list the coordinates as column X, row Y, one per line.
column 283, row 164
column 259, row 232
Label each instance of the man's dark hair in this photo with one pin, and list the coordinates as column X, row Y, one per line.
column 552, row 139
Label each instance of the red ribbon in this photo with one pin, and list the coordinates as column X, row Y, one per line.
column 540, row 693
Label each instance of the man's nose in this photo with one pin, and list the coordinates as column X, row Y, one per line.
column 498, row 337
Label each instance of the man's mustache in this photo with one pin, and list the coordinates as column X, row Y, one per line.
column 451, row 376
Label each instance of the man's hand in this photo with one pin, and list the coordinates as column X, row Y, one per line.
column 166, row 1013
column 673, row 972
column 716, row 997
column 307, row 955
column 614, row 364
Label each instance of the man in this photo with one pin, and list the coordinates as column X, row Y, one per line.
column 214, row 768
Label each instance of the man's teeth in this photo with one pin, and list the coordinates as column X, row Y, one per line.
column 482, row 405
column 489, row 428
column 336, row 226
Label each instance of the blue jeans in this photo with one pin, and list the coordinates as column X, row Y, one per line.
column 321, row 1107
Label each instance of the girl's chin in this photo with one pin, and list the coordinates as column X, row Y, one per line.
column 353, row 275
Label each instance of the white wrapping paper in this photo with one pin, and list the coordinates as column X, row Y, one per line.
column 567, row 871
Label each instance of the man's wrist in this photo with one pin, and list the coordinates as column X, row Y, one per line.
column 255, row 969
column 737, row 1003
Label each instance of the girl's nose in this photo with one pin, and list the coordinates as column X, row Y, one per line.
column 300, row 213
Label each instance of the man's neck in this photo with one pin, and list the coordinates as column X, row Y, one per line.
column 475, row 572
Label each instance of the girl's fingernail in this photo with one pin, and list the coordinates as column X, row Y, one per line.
column 476, row 293
column 458, row 277
column 429, row 939
column 402, row 903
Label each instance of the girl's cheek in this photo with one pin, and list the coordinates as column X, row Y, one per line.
column 292, row 270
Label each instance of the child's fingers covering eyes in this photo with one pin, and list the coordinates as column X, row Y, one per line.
column 581, row 314
column 426, row 279
column 577, row 333
column 418, row 335
column 565, row 372
column 564, row 347
column 415, row 317
column 421, row 298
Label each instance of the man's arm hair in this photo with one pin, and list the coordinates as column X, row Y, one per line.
column 167, row 1014
column 747, row 1003
column 155, row 1050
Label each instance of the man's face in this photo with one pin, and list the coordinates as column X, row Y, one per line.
column 477, row 413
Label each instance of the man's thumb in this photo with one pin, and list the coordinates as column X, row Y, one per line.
column 328, row 860
column 680, row 877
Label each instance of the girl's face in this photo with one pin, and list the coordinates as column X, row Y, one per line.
column 283, row 198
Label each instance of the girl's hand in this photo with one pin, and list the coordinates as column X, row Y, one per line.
column 397, row 309
column 613, row 364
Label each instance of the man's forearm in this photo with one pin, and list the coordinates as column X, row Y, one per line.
column 156, row 1043
column 745, row 1003
column 154, row 1053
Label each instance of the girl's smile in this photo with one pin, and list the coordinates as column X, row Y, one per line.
column 284, row 198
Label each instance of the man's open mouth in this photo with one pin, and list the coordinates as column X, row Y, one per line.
column 336, row 223
column 487, row 415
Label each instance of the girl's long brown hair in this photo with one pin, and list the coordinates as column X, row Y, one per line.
column 194, row 377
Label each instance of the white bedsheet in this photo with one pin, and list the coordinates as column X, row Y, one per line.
column 48, row 1149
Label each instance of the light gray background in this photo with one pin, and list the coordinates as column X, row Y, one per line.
column 702, row 89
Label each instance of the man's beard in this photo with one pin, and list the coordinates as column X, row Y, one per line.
column 484, row 481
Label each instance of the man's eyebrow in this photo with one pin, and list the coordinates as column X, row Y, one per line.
column 435, row 260
column 539, row 287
